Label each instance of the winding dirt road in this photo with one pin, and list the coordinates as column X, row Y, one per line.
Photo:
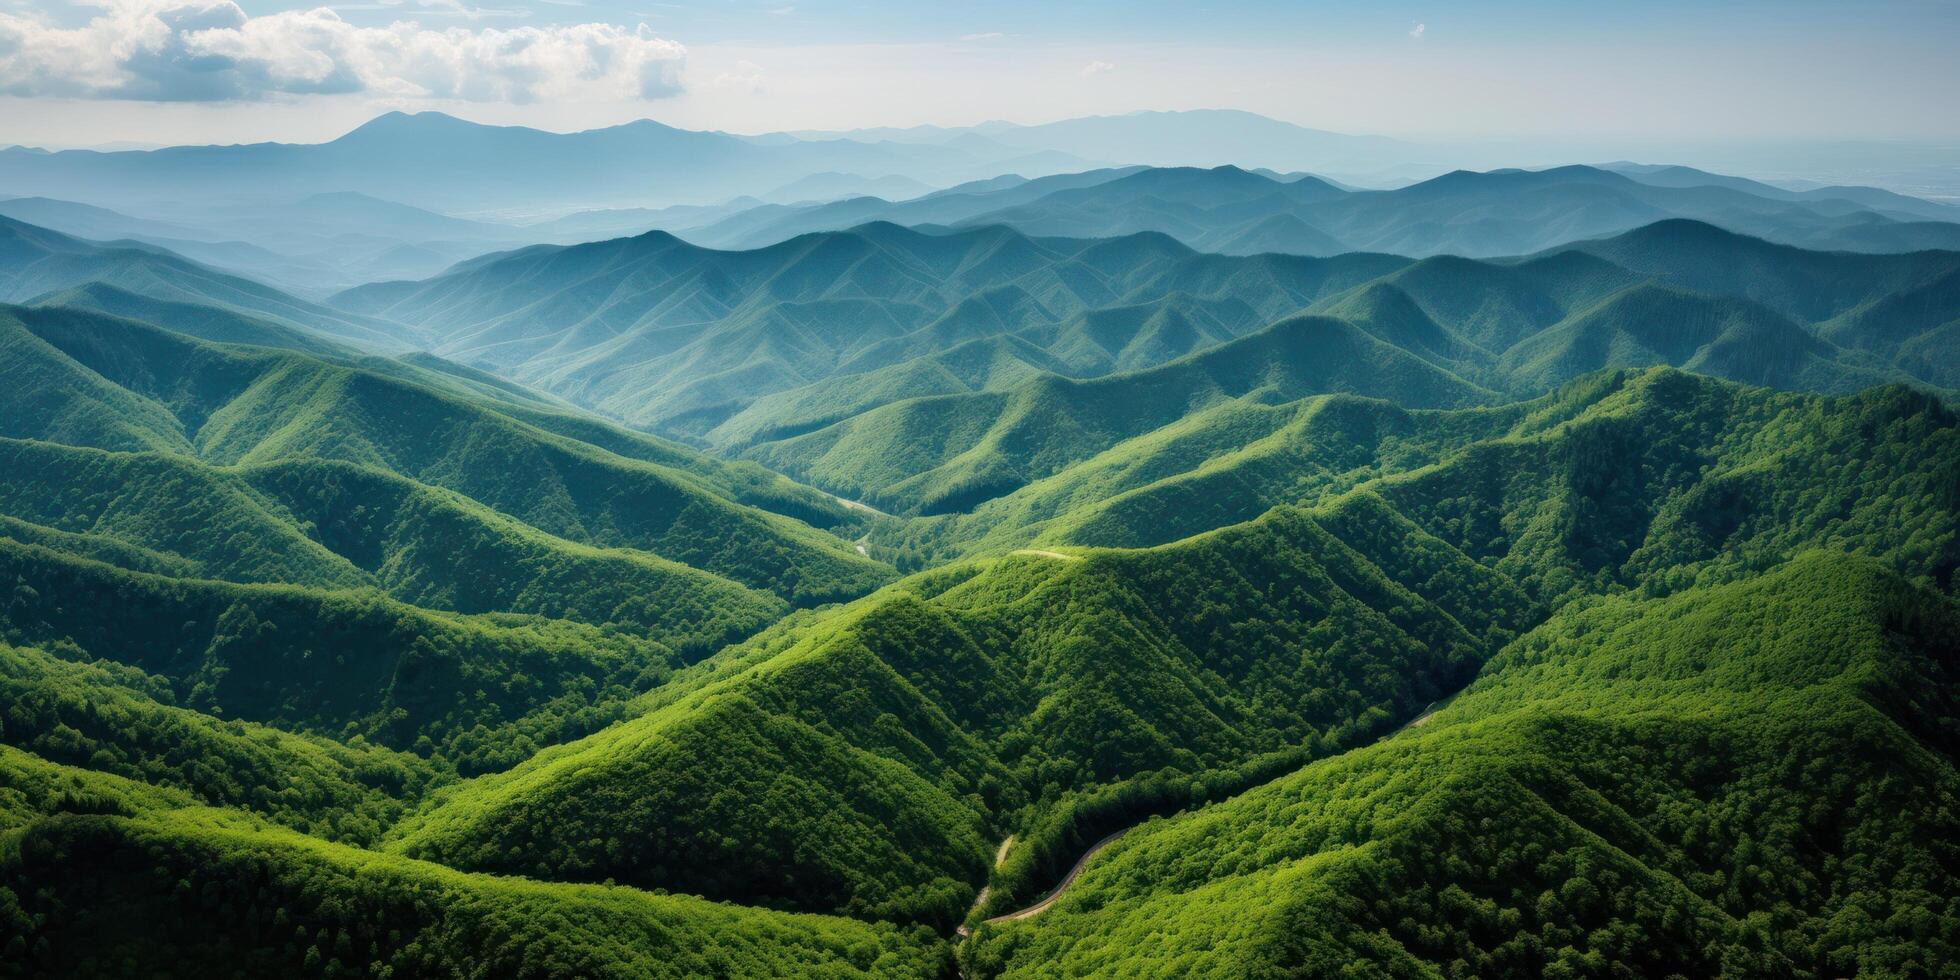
column 1047, row 900
column 1048, row 554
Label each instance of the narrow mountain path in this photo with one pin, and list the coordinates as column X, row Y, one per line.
column 1047, row 554
column 1041, row 905
column 986, row 890
column 858, row 505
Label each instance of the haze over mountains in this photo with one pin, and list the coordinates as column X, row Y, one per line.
column 378, row 202
column 470, row 550
column 1499, row 213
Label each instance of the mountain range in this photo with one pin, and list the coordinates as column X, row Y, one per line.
column 895, row 365
column 1241, row 212
column 1522, row 573
column 408, row 196
column 443, row 162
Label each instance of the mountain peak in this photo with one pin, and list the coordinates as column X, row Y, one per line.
column 407, row 122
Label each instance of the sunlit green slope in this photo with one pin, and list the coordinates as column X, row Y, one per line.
column 1059, row 692
column 1749, row 779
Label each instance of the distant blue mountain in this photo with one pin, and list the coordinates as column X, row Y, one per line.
column 440, row 162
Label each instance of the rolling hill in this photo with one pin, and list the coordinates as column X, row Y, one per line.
column 345, row 552
column 1637, row 782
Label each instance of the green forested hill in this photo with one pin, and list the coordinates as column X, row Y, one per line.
column 1614, row 475
column 126, row 386
column 100, row 875
column 1750, row 779
column 933, row 455
column 117, row 719
column 681, row 338
column 973, row 702
column 1068, row 692
column 332, row 546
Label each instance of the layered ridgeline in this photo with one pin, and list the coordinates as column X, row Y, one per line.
column 867, row 761
column 926, row 372
column 317, row 661
column 1440, row 332
column 261, row 600
column 1747, row 779
column 675, row 337
column 1501, row 212
column 1692, row 461
column 422, row 557
column 36, row 263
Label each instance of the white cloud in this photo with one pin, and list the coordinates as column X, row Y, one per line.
column 211, row 50
column 1094, row 68
column 987, row 36
column 1418, row 30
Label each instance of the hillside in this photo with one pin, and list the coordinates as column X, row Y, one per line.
column 948, row 453
column 1069, row 691
column 1128, row 686
column 142, row 388
column 336, row 555
column 1640, row 783
column 132, row 873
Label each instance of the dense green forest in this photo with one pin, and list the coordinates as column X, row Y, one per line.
column 1750, row 779
column 1589, row 613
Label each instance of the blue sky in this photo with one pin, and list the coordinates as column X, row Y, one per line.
column 221, row 70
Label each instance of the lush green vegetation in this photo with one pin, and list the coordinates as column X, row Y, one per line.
column 481, row 691
column 979, row 696
column 320, row 662
column 95, row 888
column 865, row 358
column 1749, row 779
column 86, row 379
column 1620, row 479
column 114, row 719
column 937, row 455
column 951, row 427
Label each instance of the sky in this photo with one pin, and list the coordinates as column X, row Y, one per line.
column 114, row 72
